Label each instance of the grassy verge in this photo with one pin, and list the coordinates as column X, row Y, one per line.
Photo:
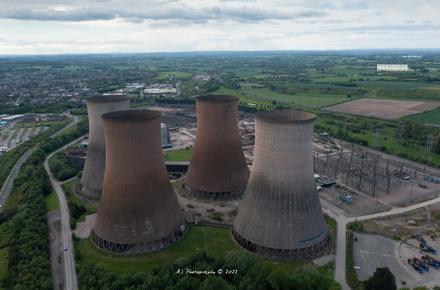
column 350, row 271
column 14, row 134
column 179, row 155
column 13, row 198
column 52, row 202
column 217, row 241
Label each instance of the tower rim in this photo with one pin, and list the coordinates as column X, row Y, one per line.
column 107, row 99
column 131, row 115
column 217, row 98
column 285, row 116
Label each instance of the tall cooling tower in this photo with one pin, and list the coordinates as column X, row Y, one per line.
column 218, row 168
column 93, row 173
column 280, row 216
column 138, row 212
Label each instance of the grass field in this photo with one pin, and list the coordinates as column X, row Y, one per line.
column 52, row 202
column 408, row 85
column 431, row 117
column 243, row 72
column 306, row 99
column 316, row 86
column 176, row 74
column 354, row 71
column 346, row 79
column 217, row 241
column 13, row 198
column 179, row 155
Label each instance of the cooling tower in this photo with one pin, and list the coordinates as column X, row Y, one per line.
column 93, row 173
column 280, row 216
column 218, row 168
column 138, row 212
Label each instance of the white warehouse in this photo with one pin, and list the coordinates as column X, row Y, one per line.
column 392, row 67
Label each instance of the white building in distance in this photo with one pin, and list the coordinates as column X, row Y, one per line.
column 392, row 67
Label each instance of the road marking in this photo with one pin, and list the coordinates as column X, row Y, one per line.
column 385, row 255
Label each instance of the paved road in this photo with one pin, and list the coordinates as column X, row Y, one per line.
column 69, row 263
column 10, row 180
column 340, row 216
column 70, row 279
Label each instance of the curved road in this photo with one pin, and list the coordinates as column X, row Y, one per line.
column 70, row 281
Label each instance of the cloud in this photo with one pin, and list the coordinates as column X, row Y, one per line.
column 181, row 12
column 408, row 21
column 391, row 27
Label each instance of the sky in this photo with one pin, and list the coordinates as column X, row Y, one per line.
column 134, row 26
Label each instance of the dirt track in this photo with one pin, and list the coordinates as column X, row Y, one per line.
column 386, row 109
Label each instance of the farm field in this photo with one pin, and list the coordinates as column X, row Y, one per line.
column 394, row 84
column 431, row 117
column 241, row 72
column 243, row 97
column 386, row 109
column 346, row 79
column 307, row 100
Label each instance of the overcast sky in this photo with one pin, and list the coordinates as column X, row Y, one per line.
column 102, row 26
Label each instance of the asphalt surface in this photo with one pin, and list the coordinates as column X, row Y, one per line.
column 373, row 251
column 55, row 246
column 340, row 216
column 10, row 181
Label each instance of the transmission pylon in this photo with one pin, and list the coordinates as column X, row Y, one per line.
column 376, row 138
column 428, row 147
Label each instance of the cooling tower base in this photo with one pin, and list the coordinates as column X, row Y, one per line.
column 89, row 192
column 141, row 248
column 282, row 254
column 214, row 195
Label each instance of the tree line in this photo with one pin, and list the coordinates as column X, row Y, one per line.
column 238, row 270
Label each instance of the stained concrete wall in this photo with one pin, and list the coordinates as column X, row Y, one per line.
column 281, row 208
column 93, row 174
column 217, row 163
column 138, row 204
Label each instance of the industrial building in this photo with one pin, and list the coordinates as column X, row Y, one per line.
column 218, row 168
column 392, row 67
column 93, row 174
column 280, row 216
column 138, row 212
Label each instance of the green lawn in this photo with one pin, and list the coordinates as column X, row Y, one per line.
column 404, row 85
column 217, row 241
column 13, row 198
column 306, row 99
column 179, row 155
column 431, row 117
column 52, row 202
column 346, row 79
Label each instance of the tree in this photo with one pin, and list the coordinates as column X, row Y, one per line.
column 381, row 279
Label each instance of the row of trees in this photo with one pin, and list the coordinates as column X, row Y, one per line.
column 238, row 270
column 59, row 167
column 28, row 264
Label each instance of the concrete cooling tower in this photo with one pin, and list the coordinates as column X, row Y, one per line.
column 138, row 212
column 280, row 216
column 218, row 168
column 93, row 173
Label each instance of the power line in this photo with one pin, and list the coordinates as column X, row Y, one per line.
column 428, row 147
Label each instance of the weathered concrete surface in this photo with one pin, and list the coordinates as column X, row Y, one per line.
column 83, row 229
column 55, row 248
column 324, row 260
column 217, row 163
column 138, row 204
column 281, row 208
column 93, row 175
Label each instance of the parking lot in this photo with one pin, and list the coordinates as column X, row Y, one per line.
column 374, row 251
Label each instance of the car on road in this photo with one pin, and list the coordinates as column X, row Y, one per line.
column 0, row 206
column 4, row 197
column 12, row 175
column 65, row 249
column 357, row 267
